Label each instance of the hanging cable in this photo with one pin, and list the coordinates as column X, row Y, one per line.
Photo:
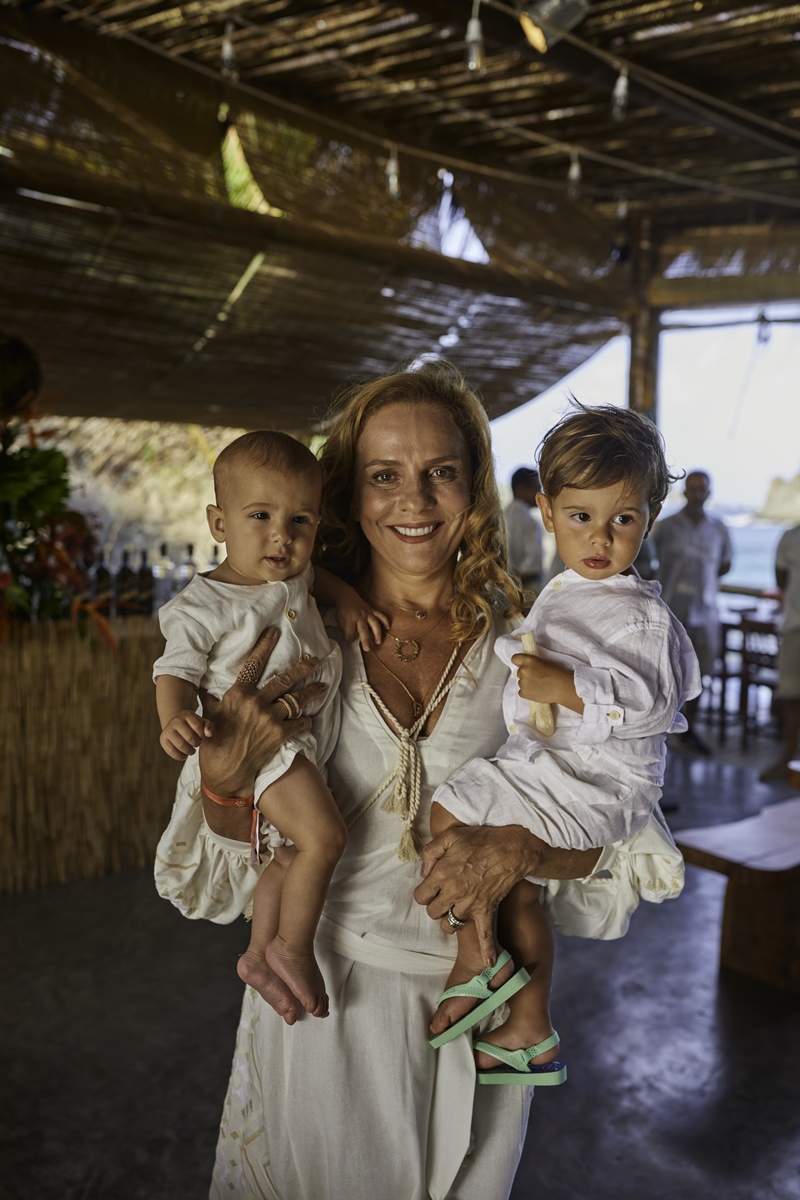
column 619, row 97
column 476, row 50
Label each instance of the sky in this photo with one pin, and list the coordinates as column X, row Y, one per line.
column 728, row 403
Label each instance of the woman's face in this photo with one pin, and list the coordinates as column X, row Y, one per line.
column 412, row 488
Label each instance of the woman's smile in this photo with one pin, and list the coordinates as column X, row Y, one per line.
column 412, row 488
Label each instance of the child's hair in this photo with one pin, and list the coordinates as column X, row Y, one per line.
column 598, row 447
column 263, row 448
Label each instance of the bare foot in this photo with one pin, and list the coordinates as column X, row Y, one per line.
column 254, row 970
column 464, row 968
column 299, row 971
column 517, row 1033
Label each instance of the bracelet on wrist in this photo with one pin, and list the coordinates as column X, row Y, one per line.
column 241, row 802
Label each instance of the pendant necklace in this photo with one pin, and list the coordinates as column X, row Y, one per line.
column 407, row 649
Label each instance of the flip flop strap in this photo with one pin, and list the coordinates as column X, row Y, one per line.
column 518, row 1059
column 478, row 987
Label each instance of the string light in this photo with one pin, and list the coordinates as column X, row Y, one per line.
column 476, row 50
column 546, row 22
column 619, row 97
column 393, row 173
column 574, row 176
column 227, row 54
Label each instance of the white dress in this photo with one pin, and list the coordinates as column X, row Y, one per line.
column 358, row 1106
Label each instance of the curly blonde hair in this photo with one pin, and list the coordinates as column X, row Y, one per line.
column 482, row 583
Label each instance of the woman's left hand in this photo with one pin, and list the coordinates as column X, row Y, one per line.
column 470, row 869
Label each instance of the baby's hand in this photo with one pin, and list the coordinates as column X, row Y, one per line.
column 542, row 681
column 181, row 735
column 362, row 622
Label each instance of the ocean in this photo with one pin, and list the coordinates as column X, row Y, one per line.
column 754, row 545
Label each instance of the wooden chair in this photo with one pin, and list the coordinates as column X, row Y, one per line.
column 759, row 670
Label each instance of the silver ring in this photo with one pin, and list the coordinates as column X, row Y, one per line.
column 250, row 672
column 289, row 711
column 453, row 921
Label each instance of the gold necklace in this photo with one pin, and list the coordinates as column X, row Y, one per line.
column 418, row 705
column 407, row 649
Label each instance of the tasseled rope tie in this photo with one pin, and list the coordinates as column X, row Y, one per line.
column 407, row 775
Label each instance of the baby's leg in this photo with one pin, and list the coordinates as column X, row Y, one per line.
column 253, row 967
column 525, row 932
column 469, row 961
column 300, row 805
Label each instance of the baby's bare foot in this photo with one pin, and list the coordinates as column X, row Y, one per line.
column 464, row 969
column 254, row 970
column 299, row 971
column 517, row 1033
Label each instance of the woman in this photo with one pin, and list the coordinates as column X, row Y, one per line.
column 358, row 1107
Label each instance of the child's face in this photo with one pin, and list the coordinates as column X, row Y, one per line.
column 598, row 530
column 268, row 521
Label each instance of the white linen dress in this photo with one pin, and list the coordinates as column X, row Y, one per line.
column 358, row 1106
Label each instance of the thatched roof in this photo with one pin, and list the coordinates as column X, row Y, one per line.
column 232, row 251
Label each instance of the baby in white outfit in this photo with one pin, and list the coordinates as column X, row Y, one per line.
column 601, row 686
column 268, row 492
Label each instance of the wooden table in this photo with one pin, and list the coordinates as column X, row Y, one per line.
column 761, row 919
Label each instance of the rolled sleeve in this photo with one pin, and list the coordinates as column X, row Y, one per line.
column 602, row 712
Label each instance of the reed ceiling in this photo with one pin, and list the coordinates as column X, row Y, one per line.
column 231, row 158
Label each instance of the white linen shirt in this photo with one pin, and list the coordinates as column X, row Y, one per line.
column 599, row 776
column 524, row 531
column 689, row 558
column 211, row 625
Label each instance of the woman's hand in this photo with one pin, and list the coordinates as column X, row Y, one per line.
column 251, row 723
column 471, row 869
column 546, row 682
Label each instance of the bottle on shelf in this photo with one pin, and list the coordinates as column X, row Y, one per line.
column 144, row 588
column 125, row 587
column 187, row 568
column 100, row 587
column 213, row 562
column 163, row 578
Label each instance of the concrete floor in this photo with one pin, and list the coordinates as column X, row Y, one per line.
column 119, row 1016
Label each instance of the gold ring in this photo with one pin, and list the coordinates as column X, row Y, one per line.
column 289, row 711
column 250, row 672
column 294, row 703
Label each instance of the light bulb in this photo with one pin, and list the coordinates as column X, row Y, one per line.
column 476, row 51
column 619, row 97
column 393, row 174
column 227, row 54
column 574, row 175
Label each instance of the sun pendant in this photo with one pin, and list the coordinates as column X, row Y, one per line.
column 407, row 649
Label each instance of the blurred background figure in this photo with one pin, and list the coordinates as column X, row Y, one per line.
column 693, row 551
column 525, row 530
column 787, row 577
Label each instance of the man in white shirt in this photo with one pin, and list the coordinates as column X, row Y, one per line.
column 524, row 530
column 694, row 550
column 787, row 577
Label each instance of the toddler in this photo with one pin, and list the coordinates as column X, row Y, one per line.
column 616, row 667
column 268, row 489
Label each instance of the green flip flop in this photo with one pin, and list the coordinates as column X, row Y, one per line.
column 548, row 1074
column 478, row 989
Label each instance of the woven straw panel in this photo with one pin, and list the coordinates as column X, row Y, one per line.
column 85, row 788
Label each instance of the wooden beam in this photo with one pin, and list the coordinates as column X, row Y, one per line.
column 645, row 324
column 722, row 290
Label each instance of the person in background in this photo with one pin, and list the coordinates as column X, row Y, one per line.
column 787, row 577
column 694, row 550
column 524, row 530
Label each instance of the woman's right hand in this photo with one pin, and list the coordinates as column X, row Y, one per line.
column 252, row 723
